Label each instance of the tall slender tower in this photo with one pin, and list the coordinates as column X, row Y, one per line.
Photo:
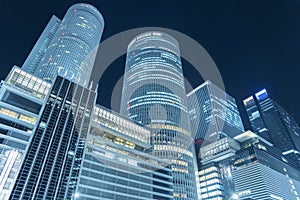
column 215, row 121
column 272, row 122
column 37, row 53
column 72, row 50
column 154, row 94
column 214, row 113
column 51, row 166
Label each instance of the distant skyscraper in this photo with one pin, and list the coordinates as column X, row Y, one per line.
column 215, row 120
column 154, row 94
column 213, row 113
column 256, row 120
column 71, row 51
column 246, row 167
column 37, row 53
column 273, row 123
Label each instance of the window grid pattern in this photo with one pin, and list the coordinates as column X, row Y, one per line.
column 107, row 177
column 31, row 63
column 51, row 166
column 213, row 113
column 72, row 51
column 28, row 82
column 154, row 94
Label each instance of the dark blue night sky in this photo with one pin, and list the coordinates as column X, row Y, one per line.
column 255, row 44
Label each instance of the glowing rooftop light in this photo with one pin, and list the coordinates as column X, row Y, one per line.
column 261, row 94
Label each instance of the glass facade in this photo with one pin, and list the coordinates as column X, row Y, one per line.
column 255, row 118
column 154, row 94
column 51, row 165
column 115, row 163
column 34, row 58
column 218, row 150
column 211, row 183
column 213, row 113
column 29, row 83
column 116, row 122
column 21, row 102
column 246, row 168
column 215, row 169
column 260, row 172
column 72, row 50
column 274, row 123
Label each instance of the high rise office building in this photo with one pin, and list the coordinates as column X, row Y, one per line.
column 272, row 122
column 22, row 97
column 154, row 94
column 116, row 164
column 246, row 167
column 52, row 162
column 68, row 48
column 255, row 118
column 215, row 120
column 37, row 53
column 213, row 113
column 260, row 171
column 55, row 143
column 51, row 166
column 214, row 171
column 59, row 145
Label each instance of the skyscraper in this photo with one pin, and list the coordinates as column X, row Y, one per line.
column 257, row 123
column 214, row 172
column 215, row 120
column 154, row 94
column 55, row 143
column 213, row 113
column 22, row 97
column 273, row 123
column 260, row 171
column 71, row 51
column 50, row 168
column 37, row 53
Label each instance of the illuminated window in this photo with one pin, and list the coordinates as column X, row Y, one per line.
column 9, row 113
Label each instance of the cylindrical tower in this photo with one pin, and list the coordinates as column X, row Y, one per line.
column 72, row 51
column 154, row 94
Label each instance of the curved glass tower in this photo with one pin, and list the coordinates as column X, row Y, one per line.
column 72, row 50
column 154, row 94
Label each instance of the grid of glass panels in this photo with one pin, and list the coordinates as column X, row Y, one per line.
column 154, row 94
column 272, row 122
column 72, row 51
column 111, row 170
column 108, row 118
column 213, row 113
column 51, row 166
column 32, row 61
column 17, row 123
column 28, row 82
